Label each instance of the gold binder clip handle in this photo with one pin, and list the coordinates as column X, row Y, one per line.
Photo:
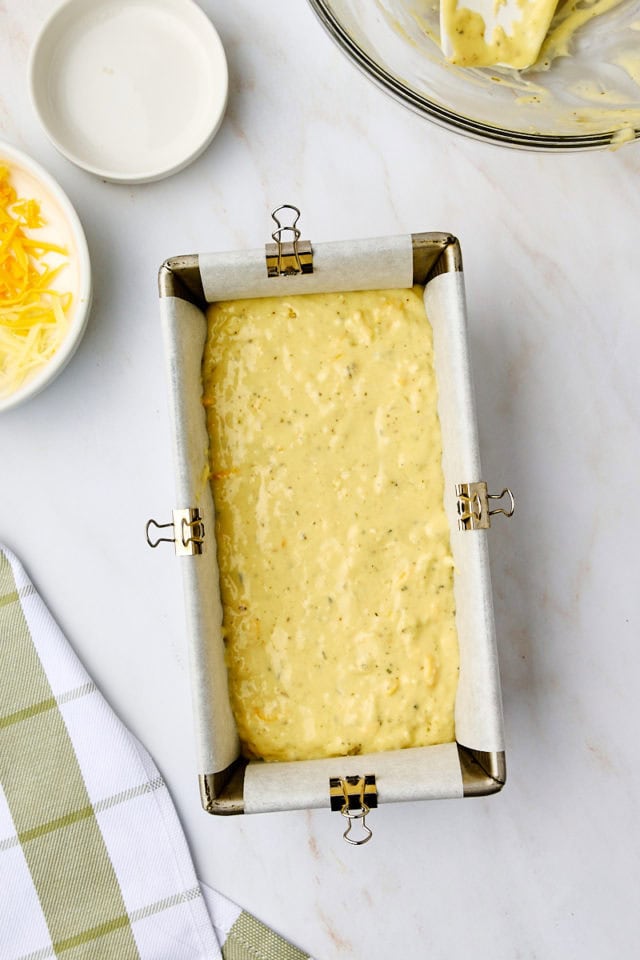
column 356, row 815
column 158, row 526
column 292, row 228
column 499, row 496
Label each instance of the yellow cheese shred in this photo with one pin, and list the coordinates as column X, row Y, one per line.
column 33, row 317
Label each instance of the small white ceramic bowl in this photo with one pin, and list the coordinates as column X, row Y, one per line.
column 62, row 227
column 130, row 90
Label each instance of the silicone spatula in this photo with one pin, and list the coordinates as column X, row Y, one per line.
column 484, row 33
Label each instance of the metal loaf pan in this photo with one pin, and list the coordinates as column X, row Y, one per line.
column 473, row 766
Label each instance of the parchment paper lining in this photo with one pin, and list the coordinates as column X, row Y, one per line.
column 413, row 774
column 354, row 265
column 184, row 329
column 478, row 700
column 424, row 773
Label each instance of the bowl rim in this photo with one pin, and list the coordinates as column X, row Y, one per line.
column 17, row 157
column 207, row 34
column 475, row 129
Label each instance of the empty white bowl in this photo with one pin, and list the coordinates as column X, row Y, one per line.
column 131, row 90
column 62, row 227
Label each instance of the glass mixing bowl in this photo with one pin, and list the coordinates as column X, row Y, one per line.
column 578, row 96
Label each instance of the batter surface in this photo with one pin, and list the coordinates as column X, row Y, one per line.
column 333, row 546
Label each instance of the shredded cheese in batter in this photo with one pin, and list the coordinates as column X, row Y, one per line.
column 333, row 546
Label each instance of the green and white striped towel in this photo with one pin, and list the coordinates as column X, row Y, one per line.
column 93, row 861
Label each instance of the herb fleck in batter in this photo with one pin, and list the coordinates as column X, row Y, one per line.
column 333, row 546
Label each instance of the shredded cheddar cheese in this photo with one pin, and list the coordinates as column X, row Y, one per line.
column 33, row 316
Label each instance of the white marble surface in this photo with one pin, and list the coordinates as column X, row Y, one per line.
column 549, row 868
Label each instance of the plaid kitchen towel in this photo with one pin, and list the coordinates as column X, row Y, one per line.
column 93, row 861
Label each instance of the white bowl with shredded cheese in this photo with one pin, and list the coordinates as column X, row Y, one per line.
column 45, row 278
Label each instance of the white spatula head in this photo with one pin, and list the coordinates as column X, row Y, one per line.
column 484, row 33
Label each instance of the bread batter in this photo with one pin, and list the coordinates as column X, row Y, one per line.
column 333, row 546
